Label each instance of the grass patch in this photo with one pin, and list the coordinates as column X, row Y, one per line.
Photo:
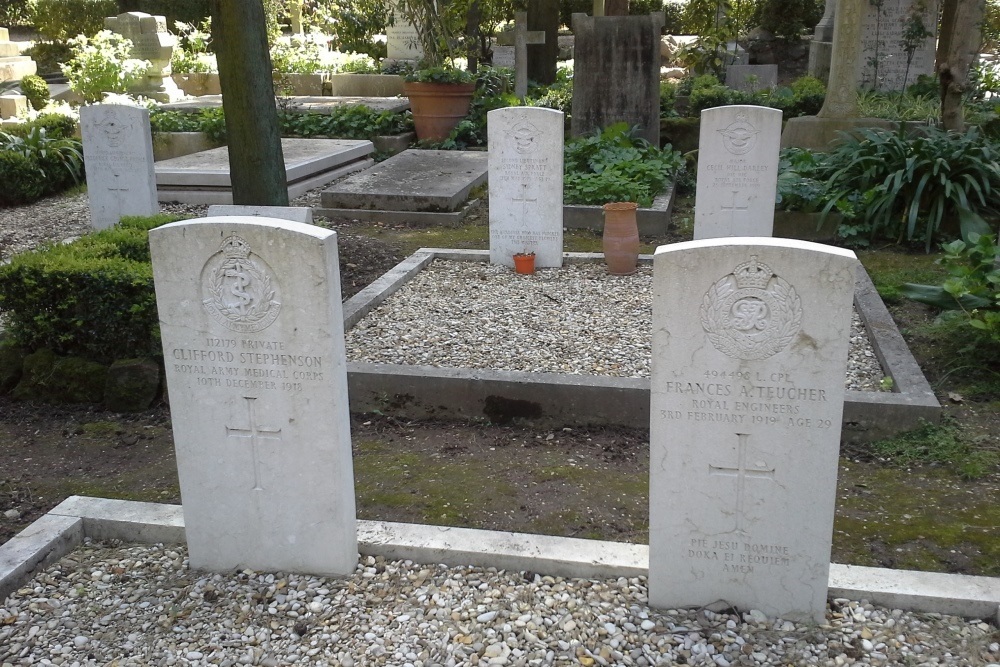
column 941, row 443
column 889, row 270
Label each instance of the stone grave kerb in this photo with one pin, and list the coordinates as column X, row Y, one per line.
column 750, row 343
column 252, row 330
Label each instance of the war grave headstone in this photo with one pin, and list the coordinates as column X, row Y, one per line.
column 203, row 177
column 526, row 184
column 737, row 171
column 13, row 66
column 412, row 187
column 883, row 63
column 747, row 399
column 118, row 160
column 402, row 41
column 252, row 330
column 294, row 213
column 153, row 42
column 519, row 39
column 616, row 73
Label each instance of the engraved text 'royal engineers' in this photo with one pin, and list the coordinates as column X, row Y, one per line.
column 750, row 339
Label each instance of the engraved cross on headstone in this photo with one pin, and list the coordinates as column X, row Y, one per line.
column 254, row 434
column 734, row 209
column 524, row 200
column 741, row 472
column 522, row 37
column 118, row 190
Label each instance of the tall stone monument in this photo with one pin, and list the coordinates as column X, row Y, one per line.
column 153, row 42
column 13, row 66
column 821, row 45
column 750, row 341
column 118, row 160
column 616, row 73
column 253, row 342
column 402, row 42
column 883, row 65
column 526, row 184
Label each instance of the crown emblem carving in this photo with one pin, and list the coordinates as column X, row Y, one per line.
column 235, row 247
column 752, row 274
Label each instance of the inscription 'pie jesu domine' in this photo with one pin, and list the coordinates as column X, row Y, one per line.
column 747, row 401
column 252, row 333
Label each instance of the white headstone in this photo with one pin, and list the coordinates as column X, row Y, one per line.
column 737, row 171
column 118, row 159
column 883, row 63
column 526, row 184
column 293, row 213
column 401, row 39
column 253, row 343
column 750, row 340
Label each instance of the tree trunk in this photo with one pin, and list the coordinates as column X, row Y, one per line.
column 616, row 7
column 958, row 47
column 472, row 35
column 542, row 58
column 256, row 165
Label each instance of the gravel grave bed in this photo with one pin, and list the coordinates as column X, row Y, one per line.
column 577, row 320
column 142, row 605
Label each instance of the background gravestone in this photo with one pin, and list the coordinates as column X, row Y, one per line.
column 153, row 42
column 118, row 159
column 526, row 184
column 616, row 73
column 737, row 171
column 883, row 59
column 253, row 343
column 401, row 38
column 750, row 341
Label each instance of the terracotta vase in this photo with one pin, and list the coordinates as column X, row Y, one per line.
column 621, row 238
column 524, row 264
column 438, row 107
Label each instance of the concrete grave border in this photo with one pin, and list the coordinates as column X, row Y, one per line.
column 561, row 399
column 652, row 221
column 78, row 517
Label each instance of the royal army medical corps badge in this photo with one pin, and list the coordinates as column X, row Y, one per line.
column 751, row 313
column 239, row 289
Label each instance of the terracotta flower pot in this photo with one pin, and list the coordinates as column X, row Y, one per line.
column 524, row 263
column 438, row 107
column 621, row 238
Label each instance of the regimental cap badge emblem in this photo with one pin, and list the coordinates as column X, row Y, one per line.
column 239, row 289
column 740, row 136
column 751, row 313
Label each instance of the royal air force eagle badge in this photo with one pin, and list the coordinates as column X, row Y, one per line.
column 751, row 313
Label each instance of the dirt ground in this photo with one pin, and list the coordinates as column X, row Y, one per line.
column 590, row 483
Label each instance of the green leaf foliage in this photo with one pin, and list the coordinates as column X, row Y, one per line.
column 92, row 298
column 59, row 20
column 616, row 165
column 35, row 164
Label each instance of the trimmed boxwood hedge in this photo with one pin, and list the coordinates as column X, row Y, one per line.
column 92, row 298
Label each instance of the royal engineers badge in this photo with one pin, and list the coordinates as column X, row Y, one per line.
column 241, row 292
column 751, row 313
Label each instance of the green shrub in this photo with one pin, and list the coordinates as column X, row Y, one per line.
column 789, row 18
column 49, row 56
column 210, row 121
column 60, row 20
column 15, row 12
column 59, row 161
column 36, row 90
column 354, row 24
column 973, row 288
column 911, row 185
column 616, row 165
column 187, row 11
column 102, row 65
column 56, row 126
column 92, row 299
column 22, row 178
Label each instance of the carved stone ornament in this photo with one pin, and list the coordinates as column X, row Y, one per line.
column 740, row 136
column 751, row 313
column 239, row 288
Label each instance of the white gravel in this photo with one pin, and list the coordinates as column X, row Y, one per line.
column 577, row 320
column 141, row 605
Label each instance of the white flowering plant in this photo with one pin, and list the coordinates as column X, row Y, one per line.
column 102, row 64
